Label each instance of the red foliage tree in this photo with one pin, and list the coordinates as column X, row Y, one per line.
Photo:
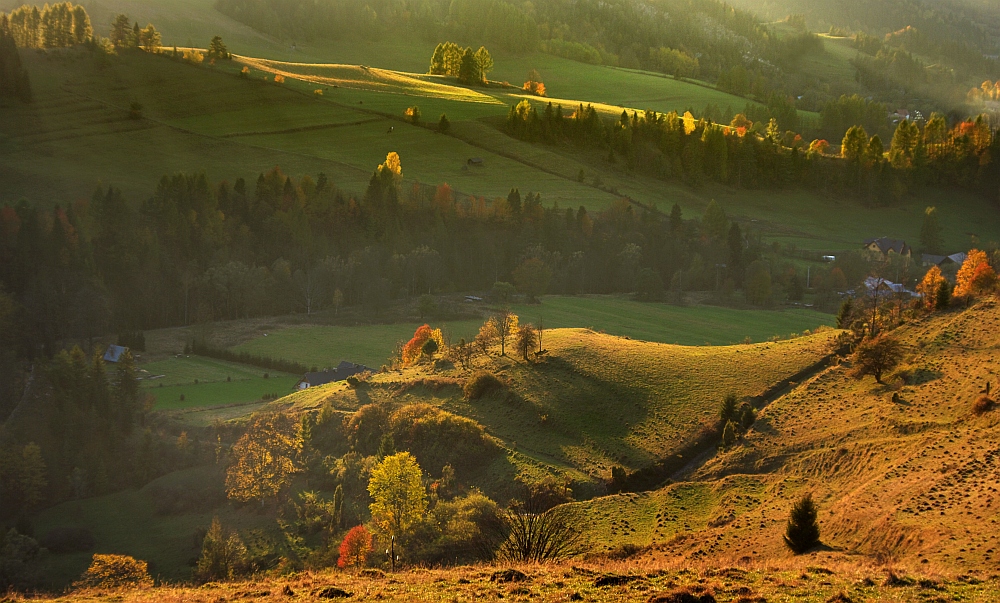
column 355, row 547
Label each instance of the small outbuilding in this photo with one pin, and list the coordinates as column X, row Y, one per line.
column 475, row 162
column 114, row 353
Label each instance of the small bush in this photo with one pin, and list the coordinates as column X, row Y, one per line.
column 115, row 571
column 480, row 384
column 983, row 405
column 68, row 540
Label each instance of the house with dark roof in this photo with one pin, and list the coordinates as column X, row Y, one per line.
column 331, row 375
column 114, row 353
column 928, row 259
column 886, row 247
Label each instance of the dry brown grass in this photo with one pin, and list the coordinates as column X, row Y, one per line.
column 643, row 579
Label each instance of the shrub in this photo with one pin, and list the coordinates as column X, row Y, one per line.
column 802, row 532
column 194, row 56
column 728, row 434
column 68, row 540
column 355, row 548
column 366, row 426
column 412, row 114
column 983, row 405
column 443, row 124
column 438, row 438
column 480, row 384
column 115, row 571
column 279, row 79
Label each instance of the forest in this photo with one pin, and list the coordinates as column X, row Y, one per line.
column 751, row 155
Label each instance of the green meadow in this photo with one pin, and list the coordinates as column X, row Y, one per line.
column 208, row 382
column 372, row 345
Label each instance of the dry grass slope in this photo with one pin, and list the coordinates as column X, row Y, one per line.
column 904, row 473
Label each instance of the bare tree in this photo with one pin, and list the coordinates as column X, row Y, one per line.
column 527, row 532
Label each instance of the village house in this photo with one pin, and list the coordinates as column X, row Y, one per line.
column 885, row 247
column 343, row 371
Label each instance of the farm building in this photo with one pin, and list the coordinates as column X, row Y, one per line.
column 886, row 246
column 873, row 284
column 475, row 161
column 114, row 353
column 343, row 371
column 928, row 259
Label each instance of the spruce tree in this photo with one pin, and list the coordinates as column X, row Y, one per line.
column 728, row 412
column 802, row 533
column 844, row 314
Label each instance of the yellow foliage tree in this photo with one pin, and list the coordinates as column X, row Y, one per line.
column 393, row 165
column 505, row 326
column 263, row 459
column 397, row 490
column 929, row 287
column 967, row 282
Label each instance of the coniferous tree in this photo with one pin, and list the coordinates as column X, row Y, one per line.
column 802, row 532
column 121, row 31
column 728, row 411
column 930, row 232
column 217, row 49
column 468, row 72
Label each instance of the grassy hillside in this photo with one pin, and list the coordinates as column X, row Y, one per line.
column 321, row 346
column 903, row 472
column 78, row 134
column 595, row 400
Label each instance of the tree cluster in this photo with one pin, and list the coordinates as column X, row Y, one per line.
column 745, row 155
column 470, row 67
column 53, row 26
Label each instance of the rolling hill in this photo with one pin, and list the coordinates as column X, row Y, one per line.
column 595, row 401
column 904, row 473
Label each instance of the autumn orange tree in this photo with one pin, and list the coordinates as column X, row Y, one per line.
column 355, row 548
column 414, row 348
column 929, row 287
column 263, row 459
column 976, row 276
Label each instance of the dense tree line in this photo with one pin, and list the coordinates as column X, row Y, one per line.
column 81, row 437
column 194, row 252
column 52, row 26
column 747, row 155
column 14, row 80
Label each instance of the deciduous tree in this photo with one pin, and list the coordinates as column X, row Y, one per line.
column 877, row 355
column 397, row 491
column 263, row 459
column 355, row 547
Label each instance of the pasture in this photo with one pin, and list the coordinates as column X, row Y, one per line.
column 207, row 119
column 372, row 345
column 206, row 382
